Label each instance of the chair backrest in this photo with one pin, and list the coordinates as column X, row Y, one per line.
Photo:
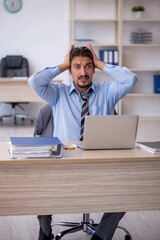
column 14, row 66
column 44, row 124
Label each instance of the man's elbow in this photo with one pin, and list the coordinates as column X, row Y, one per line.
column 31, row 81
column 134, row 78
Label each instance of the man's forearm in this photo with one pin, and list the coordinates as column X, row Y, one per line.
column 124, row 79
column 100, row 65
column 43, row 77
column 63, row 67
column 119, row 73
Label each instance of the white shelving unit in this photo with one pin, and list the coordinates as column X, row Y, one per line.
column 109, row 24
column 143, row 59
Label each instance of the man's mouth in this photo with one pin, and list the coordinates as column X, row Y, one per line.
column 83, row 78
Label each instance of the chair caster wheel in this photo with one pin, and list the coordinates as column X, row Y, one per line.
column 89, row 232
column 127, row 237
column 57, row 238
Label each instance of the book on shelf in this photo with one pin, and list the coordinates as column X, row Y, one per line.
column 109, row 56
column 35, row 147
column 156, row 83
column 153, row 147
column 83, row 41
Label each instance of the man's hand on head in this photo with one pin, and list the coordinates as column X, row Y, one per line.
column 97, row 63
column 66, row 64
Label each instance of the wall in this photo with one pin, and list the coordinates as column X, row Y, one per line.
column 40, row 32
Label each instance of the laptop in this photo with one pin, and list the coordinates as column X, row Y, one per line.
column 110, row 132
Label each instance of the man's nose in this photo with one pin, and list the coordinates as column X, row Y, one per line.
column 83, row 71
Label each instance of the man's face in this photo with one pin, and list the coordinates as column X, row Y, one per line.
column 82, row 71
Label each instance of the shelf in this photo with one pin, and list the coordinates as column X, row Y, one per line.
column 104, row 45
column 141, row 20
column 149, row 118
column 145, row 70
column 97, row 44
column 96, row 20
column 141, row 45
column 139, row 70
column 143, row 95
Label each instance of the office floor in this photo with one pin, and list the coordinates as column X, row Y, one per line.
column 143, row 225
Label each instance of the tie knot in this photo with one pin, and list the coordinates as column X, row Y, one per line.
column 86, row 97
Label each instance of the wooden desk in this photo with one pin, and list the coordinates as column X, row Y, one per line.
column 82, row 181
column 12, row 90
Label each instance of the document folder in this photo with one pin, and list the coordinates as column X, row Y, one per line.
column 35, row 147
column 153, row 147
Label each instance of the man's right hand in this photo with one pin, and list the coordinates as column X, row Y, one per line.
column 66, row 64
column 97, row 63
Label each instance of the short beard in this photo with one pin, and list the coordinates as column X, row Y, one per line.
column 83, row 86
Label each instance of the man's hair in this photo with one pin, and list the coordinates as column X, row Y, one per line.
column 82, row 52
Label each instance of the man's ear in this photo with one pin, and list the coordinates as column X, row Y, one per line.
column 70, row 72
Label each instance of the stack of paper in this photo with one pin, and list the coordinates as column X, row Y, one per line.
column 35, row 147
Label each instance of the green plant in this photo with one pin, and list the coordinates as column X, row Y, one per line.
column 138, row 9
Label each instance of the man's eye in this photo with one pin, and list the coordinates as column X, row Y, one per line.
column 77, row 67
column 88, row 66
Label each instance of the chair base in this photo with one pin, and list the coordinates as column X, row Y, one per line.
column 87, row 225
column 14, row 115
column 21, row 116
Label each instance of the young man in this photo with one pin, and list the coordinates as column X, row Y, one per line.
column 67, row 101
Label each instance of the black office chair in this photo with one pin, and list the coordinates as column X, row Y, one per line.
column 44, row 128
column 14, row 66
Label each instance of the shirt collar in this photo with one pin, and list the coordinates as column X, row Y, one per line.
column 72, row 87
